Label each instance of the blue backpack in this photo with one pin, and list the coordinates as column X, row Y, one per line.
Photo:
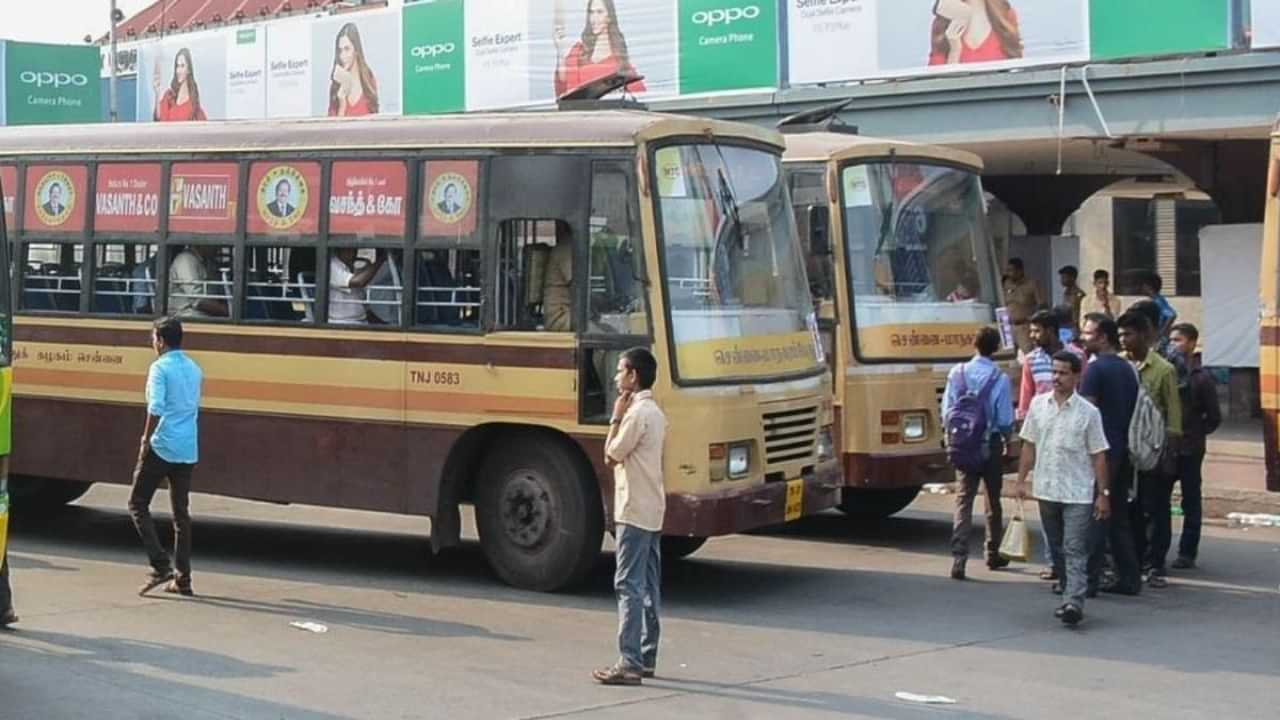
column 966, row 425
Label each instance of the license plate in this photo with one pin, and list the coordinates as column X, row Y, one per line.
column 795, row 500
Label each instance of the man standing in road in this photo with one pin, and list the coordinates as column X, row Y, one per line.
column 633, row 449
column 1159, row 379
column 1201, row 416
column 1064, row 442
column 984, row 379
column 1112, row 386
column 168, row 451
column 1022, row 298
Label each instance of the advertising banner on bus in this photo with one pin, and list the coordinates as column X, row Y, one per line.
column 284, row 198
column 127, row 198
column 8, row 195
column 834, row 40
column 367, row 198
column 55, row 198
column 202, row 198
column 50, row 84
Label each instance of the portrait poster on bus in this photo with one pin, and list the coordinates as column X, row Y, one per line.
column 284, row 198
column 898, row 39
column 55, row 198
column 9, row 196
column 127, row 198
column 355, row 61
column 202, row 198
column 289, row 69
column 449, row 190
column 183, row 79
column 367, row 198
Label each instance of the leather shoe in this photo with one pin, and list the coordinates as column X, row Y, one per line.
column 957, row 568
column 995, row 562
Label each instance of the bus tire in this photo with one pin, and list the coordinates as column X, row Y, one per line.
column 876, row 504
column 35, row 495
column 677, row 547
column 539, row 514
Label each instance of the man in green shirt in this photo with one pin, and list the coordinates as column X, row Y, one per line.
column 1155, row 488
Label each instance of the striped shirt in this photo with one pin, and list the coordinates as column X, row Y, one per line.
column 1037, row 375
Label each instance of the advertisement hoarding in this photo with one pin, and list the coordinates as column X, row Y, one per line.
column 1125, row 30
column 50, row 84
column 1264, row 23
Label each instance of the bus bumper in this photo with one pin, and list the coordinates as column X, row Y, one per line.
column 897, row 470
column 734, row 510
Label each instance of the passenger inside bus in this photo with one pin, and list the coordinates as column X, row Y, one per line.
column 191, row 293
column 347, row 285
column 557, row 285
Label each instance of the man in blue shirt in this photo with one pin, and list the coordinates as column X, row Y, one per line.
column 169, row 451
column 1111, row 384
column 999, row 411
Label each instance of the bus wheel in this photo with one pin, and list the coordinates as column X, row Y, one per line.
column 539, row 515
column 675, row 547
column 37, row 495
column 876, row 504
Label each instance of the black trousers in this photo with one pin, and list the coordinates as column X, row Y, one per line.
column 1116, row 532
column 151, row 470
column 6, row 593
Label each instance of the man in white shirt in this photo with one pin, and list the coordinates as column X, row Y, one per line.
column 634, row 451
column 1063, row 440
column 190, row 291
column 346, row 285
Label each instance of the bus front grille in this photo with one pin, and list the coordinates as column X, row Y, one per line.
column 790, row 435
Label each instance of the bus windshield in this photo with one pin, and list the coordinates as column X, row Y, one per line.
column 920, row 263
column 738, row 298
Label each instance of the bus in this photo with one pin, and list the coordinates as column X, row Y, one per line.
column 412, row 314
column 6, row 373
column 903, row 270
column 1269, row 327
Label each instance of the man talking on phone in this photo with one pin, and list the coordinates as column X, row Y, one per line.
column 634, row 451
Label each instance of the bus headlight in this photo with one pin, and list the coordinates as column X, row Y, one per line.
column 914, row 427
column 826, row 444
column 739, row 460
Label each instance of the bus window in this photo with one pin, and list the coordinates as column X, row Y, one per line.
column 51, row 280
column 272, row 292
column 200, row 281
column 365, row 286
column 449, row 289
column 124, row 279
column 808, row 190
column 535, row 275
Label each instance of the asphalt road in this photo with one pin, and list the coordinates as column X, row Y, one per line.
column 814, row 620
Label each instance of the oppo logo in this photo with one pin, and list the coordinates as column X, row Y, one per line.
column 725, row 16
column 429, row 51
column 57, row 80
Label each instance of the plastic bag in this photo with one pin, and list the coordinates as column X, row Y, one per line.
column 1016, row 543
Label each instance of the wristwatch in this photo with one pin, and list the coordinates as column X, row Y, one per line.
column 1106, row 492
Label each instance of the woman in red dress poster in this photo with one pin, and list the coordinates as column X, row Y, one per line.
column 601, row 52
column 353, row 90
column 974, row 31
column 181, row 101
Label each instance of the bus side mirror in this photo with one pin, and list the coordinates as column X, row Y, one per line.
column 819, row 218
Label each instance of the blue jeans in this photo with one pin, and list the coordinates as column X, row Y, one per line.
column 1069, row 526
column 638, row 583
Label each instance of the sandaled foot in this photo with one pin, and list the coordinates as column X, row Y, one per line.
column 616, row 675
column 178, row 588
column 155, row 580
column 1048, row 574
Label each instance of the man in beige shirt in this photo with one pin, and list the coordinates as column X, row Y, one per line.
column 634, row 451
column 1100, row 300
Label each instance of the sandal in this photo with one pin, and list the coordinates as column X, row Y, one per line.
column 616, row 675
column 1048, row 574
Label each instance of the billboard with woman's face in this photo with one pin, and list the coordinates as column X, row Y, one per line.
column 876, row 38
column 355, row 65
column 592, row 39
column 183, row 80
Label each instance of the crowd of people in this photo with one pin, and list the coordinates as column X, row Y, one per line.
column 1112, row 410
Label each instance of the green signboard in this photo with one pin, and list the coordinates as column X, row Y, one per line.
column 48, row 84
column 728, row 45
column 434, row 56
column 1121, row 29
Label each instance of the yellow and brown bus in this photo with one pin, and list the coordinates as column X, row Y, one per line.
column 1269, row 341
column 409, row 314
column 903, row 269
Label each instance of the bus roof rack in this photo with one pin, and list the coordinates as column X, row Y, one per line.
column 591, row 95
column 822, row 119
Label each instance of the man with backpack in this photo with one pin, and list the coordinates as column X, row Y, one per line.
column 1155, row 485
column 1111, row 384
column 977, row 411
